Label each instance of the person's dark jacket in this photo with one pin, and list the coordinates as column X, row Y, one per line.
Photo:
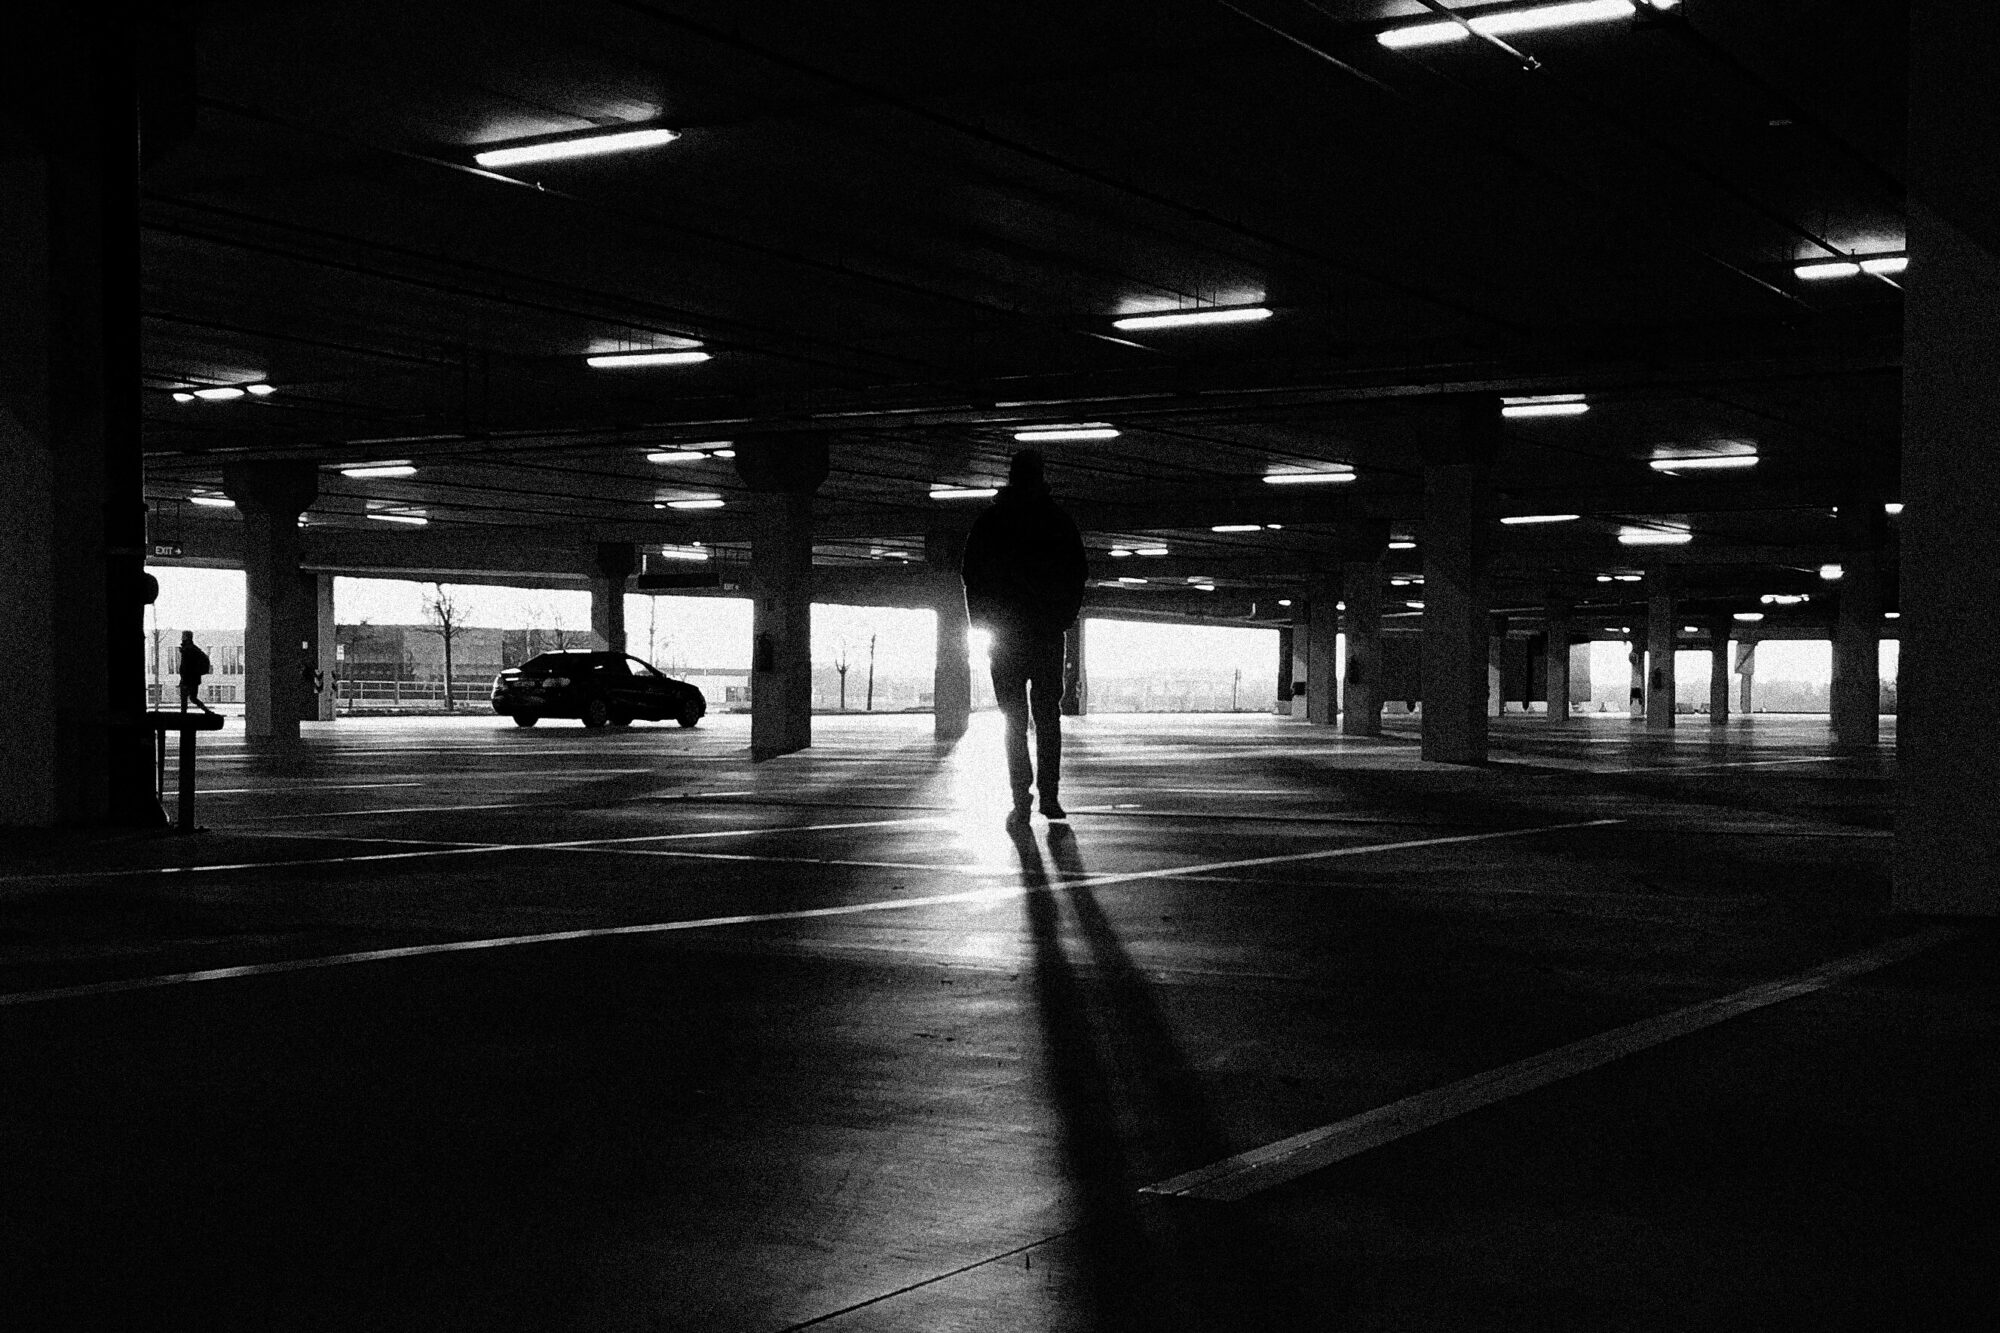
column 1024, row 568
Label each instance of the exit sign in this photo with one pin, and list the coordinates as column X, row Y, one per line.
column 170, row 549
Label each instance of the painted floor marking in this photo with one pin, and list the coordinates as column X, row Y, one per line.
column 1278, row 1163
column 304, row 791
column 436, row 847
column 967, row 869
column 1734, row 763
column 990, row 894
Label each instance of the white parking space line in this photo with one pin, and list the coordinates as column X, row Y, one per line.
column 970, row 869
column 990, row 893
column 1278, row 1163
column 1703, row 768
column 300, row 791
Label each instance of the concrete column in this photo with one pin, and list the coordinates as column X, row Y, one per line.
column 1322, row 666
column 1746, row 676
column 951, row 674
column 611, row 566
column 73, row 586
column 1361, row 589
column 280, row 604
column 1856, row 697
column 1662, row 634
column 1284, row 704
column 325, row 666
column 1496, row 657
column 1948, row 828
column 1636, row 704
column 782, row 472
column 1076, row 679
column 1455, row 629
column 1718, row 672
column 1555, row 669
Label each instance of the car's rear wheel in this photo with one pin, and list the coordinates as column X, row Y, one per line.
column 620, row 718
column 596, row 712
column 525, row 719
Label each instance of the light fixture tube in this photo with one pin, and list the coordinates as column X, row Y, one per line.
column 1306, row 478
column 1834, row 269
column 1747, row 616
column 621, row 360
column 1174, row 319
column 1702, row 462
column 1095, row 430
column 379, row 470
column 1831, row 573
column 681, row 553
column 261, row 390
column 676, row 456
column 1886, row 265
column 212, row 501
column 1541, row 518
column 964, row 492
column 710, row 502
column 218, row 395
column 1149, row 550
column 417, row 520
column 1237, row 527
column 1499, row 25
column 1653, row 537
column 1548, row 409
column 589, row 144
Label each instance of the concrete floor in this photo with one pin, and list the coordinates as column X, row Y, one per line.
column 824, row 1042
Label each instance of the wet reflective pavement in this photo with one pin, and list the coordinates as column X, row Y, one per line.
column 449, row 1025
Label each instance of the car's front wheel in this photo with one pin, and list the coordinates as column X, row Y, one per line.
column 596, row 712
column 689, row 715
column 525, row 719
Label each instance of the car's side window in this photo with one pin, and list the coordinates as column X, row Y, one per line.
column 642, row 668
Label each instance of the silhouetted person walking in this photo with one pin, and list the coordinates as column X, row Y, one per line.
column 1024, row 575
column 194, row 665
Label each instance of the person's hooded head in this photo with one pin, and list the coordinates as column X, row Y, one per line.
column 1025, row 479
column 187, row 636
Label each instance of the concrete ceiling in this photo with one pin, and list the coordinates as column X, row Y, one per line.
column 911, row 225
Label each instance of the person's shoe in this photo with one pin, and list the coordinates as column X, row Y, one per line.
column 1052, row 809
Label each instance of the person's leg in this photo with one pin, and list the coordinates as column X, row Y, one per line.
column 1045, row 677
column 1010, row 692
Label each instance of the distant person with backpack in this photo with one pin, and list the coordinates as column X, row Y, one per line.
column 1024, row 574
column 194, row 665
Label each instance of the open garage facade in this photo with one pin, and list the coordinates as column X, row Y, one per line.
column 1495, row 360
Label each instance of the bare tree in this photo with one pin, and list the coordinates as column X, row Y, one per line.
column 446, row 620
column 546, row 631
column 840, row 665
column 871, row 673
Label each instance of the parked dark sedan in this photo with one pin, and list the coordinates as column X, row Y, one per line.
column 604, row 689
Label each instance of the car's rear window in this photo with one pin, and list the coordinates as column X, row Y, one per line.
column 549, row 665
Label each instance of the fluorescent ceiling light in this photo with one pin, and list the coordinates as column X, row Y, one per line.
column 1414, row 606
column 1173, row 319
column 725, row 453
column 1572, row 407
column 1284, row 601
column 1541, row 518
column 1886, row 265
column 1701, row 462
column 1120, row 552
column 1892, row 615
column 1893, row 507
column 616, row 360
column 1402, row 546
column 218, row 395
column 1831, row 572
column 417, row 519
column 1748, row 616
column 676, row 456
column 183, row 397
column 1131, row 580
column 1307, row 478
column 1085, row 430
column 1236, row 527
column 711, row 502
column 964, row 492
column 1783, row 598
column 379, row 470
column 1204, row 587
column 589, row 144
column 1816, row 272
column 682, row 553
column 1149, row 550
column 261, row 390
column 1519, row 20
column 212, row 501
column 1654, row 537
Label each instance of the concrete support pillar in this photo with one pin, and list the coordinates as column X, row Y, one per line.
column 1718, row 672
column 1361, row 589
column 1285, row 649
column 1746, row 676
column 1555, row 669
column 1948, row 828
column 1455, row 629
column 1322, row 669
column 1856, row 697
column 782, row 472
column 1076, row 680
column 1636, row 699
column 951, row 675
column 73, row 586
column 1496, row 657
column 325, row 664
column 1662, row 634
column 611, row 568
column 281, row 607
